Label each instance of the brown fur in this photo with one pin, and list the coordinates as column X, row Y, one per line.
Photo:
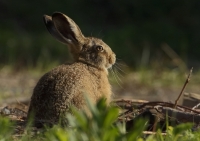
column 66, row 85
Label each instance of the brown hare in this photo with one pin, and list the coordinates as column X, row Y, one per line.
column 66, row 85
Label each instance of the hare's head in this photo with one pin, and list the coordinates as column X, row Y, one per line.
column 89, row 50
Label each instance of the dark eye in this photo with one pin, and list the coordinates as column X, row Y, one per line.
column 99, row 48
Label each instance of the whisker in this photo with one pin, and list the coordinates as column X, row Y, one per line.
column 118, row 59
column 99, row 32
column 117, row 72
column 116, row 78
column 121, row 64
column 91, row 33
column 118, row 67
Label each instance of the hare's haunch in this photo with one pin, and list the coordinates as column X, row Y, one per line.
column 66, row 85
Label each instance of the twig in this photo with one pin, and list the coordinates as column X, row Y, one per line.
column 167, row 104
column 195, row 107
column 152, row 133
column 130, row 101
column 186, row 82
column 22, row 104
column 155, row 124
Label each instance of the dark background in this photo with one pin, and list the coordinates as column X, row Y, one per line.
column 143, row 33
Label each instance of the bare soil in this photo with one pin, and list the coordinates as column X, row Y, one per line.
column 18, row 87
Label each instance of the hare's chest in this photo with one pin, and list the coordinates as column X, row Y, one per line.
column 105, row 89
column 98, row 87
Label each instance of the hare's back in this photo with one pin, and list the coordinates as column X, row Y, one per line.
column 56, row 89
column 62, row 78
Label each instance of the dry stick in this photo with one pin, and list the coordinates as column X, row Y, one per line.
column 155, row 124
column 186, row 82
column 195, row 107
column 152, row 133
column 22, row 104
column 130, row 101
column 167, row 104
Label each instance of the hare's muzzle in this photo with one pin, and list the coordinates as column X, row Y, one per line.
column 111, row 60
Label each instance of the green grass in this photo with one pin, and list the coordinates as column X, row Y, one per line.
column 104, row 126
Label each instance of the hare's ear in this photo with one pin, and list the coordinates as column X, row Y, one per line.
column 52, row 29
column 67, row 28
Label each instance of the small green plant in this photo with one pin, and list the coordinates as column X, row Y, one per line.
column 102, row 124
column 6, row 129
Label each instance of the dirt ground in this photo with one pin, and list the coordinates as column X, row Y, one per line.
column 18, row 87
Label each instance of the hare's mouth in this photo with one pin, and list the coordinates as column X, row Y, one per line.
column 108, row 66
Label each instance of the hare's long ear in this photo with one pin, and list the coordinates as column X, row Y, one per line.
column 52, row 29
column 68, row 29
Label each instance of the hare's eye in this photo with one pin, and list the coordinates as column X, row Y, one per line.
column 99, row 48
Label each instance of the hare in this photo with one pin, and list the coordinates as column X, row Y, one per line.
column 65, row 85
